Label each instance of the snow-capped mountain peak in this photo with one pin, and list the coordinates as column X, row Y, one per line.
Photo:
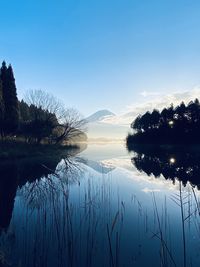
column 100, row 116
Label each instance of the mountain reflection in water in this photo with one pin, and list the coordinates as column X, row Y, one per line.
column 94, row 209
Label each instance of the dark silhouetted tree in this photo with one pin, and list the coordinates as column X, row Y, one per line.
column 172, row 125
column 11, row 108
column 1, row 109
column 24, row 111
column 155, row 118
column 136, row 124
column 51, row 119
column 41, row 118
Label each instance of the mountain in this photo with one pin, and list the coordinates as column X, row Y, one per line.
column 108, row 126
column 100, row 116
column 104, row 126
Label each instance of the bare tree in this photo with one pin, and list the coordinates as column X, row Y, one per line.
column 69, row 125
column 45, row 101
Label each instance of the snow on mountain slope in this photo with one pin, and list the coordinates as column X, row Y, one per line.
column 102, row 127
column 100, row 116
column 106, row 125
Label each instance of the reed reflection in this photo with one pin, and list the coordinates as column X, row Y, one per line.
column 32, row 176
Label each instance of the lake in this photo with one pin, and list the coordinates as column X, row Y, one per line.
column 101, row 206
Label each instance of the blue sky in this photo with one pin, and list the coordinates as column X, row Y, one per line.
column 102, row 53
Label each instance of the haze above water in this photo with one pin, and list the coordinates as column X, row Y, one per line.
column 101, row 206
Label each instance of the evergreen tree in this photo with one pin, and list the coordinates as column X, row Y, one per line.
column 179, row 125
column 1, row 109
column 155, row 119
column 24, row 111
column 3, row 72
column 11, row 118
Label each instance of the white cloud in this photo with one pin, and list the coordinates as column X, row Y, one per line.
column 154, row 100
column 119, row 125
column 146, row 93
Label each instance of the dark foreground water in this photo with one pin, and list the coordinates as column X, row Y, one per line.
column 101, row 207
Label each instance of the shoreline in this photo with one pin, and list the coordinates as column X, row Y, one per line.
column 165, row 147
column 14, row 150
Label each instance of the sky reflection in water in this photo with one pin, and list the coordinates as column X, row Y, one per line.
column 98, row 209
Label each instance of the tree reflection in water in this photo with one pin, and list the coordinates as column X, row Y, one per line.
column 173, row 163
column 57, row 180
column 34, row 176
column 66, row 213
column 42, row 185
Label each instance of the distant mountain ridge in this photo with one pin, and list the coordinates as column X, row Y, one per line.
column 100, row 116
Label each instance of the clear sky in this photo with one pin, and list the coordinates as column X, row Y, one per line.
column 101, row 54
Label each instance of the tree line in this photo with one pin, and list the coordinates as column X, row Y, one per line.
column 173, row 125
column 39, row 118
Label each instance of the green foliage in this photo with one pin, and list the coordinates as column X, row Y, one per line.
column 36, row 123
column 42, row 119
column 172, row 125
column 9, row 99
column 1, row 107
column 24, row 111
column 17, row 117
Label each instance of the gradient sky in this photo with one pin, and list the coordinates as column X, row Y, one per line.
column 102, row 53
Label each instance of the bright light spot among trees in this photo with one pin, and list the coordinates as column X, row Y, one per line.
column 172, row 160
column 171, row 123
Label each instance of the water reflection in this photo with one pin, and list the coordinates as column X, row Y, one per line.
column 27, row 173
column 8, row 188
column 91, row 212
column 100, row 167
column 172, row 163
column 51, row 224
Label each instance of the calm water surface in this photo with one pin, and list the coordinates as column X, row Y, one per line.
column 101, row 207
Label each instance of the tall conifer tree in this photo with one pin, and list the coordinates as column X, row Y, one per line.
column 1, row 109
column 3, row 72
column 11, row 115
